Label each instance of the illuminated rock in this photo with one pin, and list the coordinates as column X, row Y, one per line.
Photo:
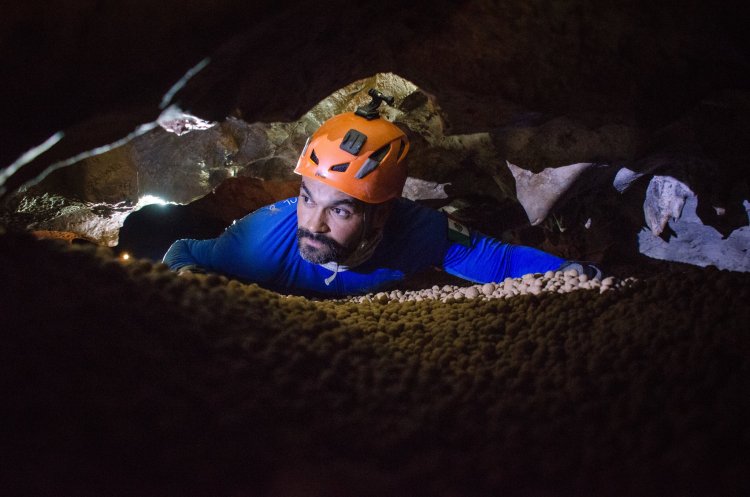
column 665, row 198
column 692, row 242
column 538, row 193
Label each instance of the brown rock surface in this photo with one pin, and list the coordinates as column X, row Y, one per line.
column 125, row 379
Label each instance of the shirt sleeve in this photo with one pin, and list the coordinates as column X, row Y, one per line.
column 187, row 252
column 244, row 249
column 227, row 254
column 488, row 260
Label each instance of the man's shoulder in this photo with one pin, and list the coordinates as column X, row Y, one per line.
column 415, row 224
column 285, row 206
column 409, row 213
column 277, row 210
column 268, row 219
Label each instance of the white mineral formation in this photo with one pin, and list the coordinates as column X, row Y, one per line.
column 538, row 192
column 175, row 120
column 624, row 178
column 698, row 244
column 665, row 198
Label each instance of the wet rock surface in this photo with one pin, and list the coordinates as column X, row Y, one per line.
column 125, row 379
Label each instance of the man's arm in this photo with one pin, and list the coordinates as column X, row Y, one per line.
column 231, row 254
column 190, row 255
column 484, row 259
column 235, row 253
column 251, row 249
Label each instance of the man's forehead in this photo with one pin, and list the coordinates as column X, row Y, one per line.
column 321, row 191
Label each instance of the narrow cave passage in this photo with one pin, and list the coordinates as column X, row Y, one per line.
column 120, row 377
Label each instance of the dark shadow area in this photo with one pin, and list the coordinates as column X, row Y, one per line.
column 149, row 231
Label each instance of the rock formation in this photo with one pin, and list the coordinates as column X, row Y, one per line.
column 538, row 85
column 120, row 377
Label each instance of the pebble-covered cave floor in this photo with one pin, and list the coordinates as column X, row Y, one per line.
column 129, row 380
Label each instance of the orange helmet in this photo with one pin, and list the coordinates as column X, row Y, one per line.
column 359, row 155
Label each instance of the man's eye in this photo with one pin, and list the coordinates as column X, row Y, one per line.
column 305, row 198
column 341, row 212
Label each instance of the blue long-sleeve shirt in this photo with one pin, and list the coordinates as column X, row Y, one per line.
column 262, row 248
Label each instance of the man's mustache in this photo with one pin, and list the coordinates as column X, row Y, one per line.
column 328, row 242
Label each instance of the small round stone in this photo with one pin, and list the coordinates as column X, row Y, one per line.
column 471, row 292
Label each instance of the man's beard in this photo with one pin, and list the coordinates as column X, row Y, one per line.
column 331, row 251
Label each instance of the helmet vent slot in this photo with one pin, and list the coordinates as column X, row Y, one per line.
column 372, row 161
column 380, row 153
column 339, row 168
column 314, row 157
column 401, row 149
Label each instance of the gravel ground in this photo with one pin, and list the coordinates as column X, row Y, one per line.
column 530, row 284
column 125, row 379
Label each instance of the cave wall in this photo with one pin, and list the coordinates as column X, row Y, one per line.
column 68, row 67
column 539, row 83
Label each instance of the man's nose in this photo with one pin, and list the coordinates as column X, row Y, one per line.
column 314, row 221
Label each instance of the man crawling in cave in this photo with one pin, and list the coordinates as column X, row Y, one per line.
column 350, row 232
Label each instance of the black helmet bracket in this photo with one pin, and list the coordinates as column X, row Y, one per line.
column 370, row 110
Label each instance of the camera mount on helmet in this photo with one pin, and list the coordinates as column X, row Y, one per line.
column 370, row 110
